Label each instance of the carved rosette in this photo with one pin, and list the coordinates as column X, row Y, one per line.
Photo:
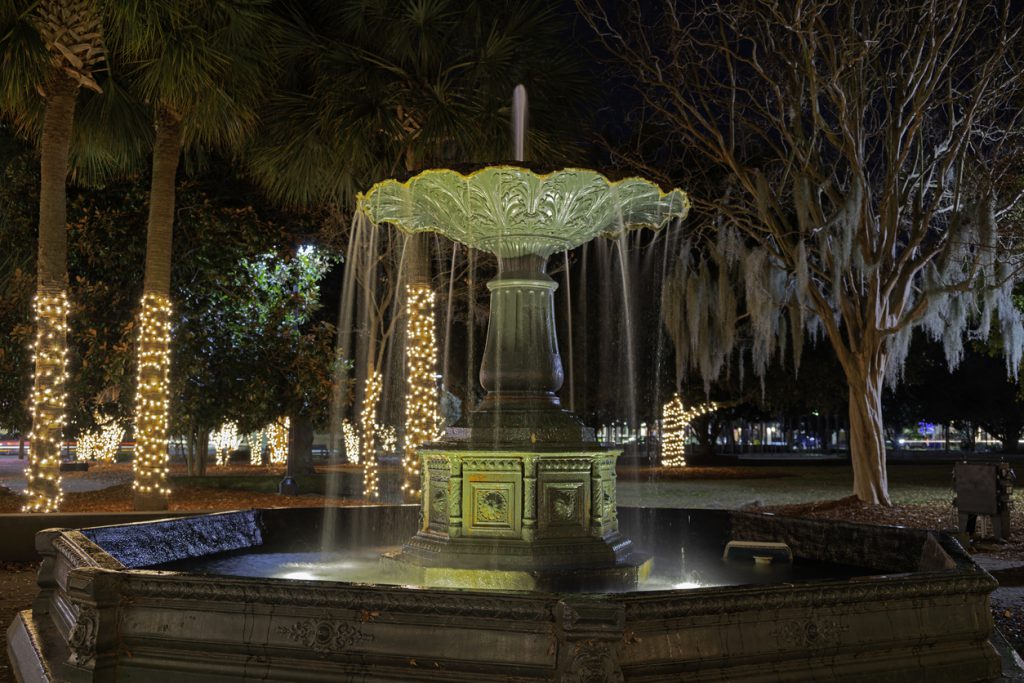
column 324, row 636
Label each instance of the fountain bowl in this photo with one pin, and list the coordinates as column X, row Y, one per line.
column 513, row 211
column 199, row 599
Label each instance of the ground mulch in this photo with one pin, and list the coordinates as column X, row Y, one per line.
column 17, row 589
column 183, row 498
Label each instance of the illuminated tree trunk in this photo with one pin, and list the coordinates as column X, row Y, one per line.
column 421, row 417
column 150, row 462
column 864, row 376
column 44, row 490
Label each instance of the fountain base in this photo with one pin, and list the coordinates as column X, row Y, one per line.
column 519, row 518
column 626, row 574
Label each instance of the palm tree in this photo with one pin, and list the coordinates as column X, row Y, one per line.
column 50, row 48
column 200, row 66
column 373, row 88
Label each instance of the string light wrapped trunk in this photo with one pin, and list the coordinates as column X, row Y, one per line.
column 255, row 441
column 371, row 483
column 675, row 421
column 152, row 403
column 421, row 416
column 277, row 441
column 49, row 352
column 352, row 444
column 225, row 440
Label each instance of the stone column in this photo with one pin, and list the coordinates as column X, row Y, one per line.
column 521, row 363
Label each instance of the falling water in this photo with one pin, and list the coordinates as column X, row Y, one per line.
column 448, row 315
column 567, row 353
column 519, row 106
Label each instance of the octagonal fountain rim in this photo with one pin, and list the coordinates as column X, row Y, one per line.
column 513, row 210
column 117, row 548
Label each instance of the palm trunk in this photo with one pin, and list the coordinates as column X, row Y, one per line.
column 421, row 388
column 151, row 492
column 44, row 490
column 864, row 376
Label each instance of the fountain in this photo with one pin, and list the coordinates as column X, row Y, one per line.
column 519, row 566
column 520, row 494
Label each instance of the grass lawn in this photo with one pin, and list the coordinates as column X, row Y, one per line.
column 909, row 484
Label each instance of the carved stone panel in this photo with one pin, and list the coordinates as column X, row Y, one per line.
column 563, row 503
column 325, row 636
column 492, row 504
column 435, row 495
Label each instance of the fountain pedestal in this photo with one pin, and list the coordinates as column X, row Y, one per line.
column 520, row 495
column 520, row 520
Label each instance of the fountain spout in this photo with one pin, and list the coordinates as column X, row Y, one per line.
column 519, row 108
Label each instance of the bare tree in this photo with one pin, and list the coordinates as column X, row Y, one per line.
column 864, row 155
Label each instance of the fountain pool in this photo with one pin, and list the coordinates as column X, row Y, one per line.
column 249, row 596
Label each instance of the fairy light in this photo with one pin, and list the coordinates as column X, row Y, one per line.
column 387, row 438
column 255, row 441
column 352, row 444
column 50, row 354
column 277, row 441
column 151, row 403
column 422, row 420
column 225, row 440
column 371, row 484
column 103, row 443
column 675, row 420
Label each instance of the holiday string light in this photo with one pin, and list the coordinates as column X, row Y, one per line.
column 277, row 441
column 387, row 438
column 50, row 354
column 103, row 443
column 151, row 399
column 351, row 441
column 225, row 440
column 422, row 419
column 371, row 484
column 255, row 441
column 675, row 420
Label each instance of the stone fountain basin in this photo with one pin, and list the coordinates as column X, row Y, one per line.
column 916, row 609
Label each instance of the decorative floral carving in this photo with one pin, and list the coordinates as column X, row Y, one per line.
column 491, row 506
column 324, row 636
column 811, row 633
column 563, row 504
column 593, row 661
column 82, row 640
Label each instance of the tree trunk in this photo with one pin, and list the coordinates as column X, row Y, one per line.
column 421, row 388
column 867, row 435
column 300, row 447
column 44, row 491
column 1011, row 439
column 151, row 490
column 198, row 444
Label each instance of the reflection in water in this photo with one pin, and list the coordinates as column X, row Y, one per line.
column 700, row 570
